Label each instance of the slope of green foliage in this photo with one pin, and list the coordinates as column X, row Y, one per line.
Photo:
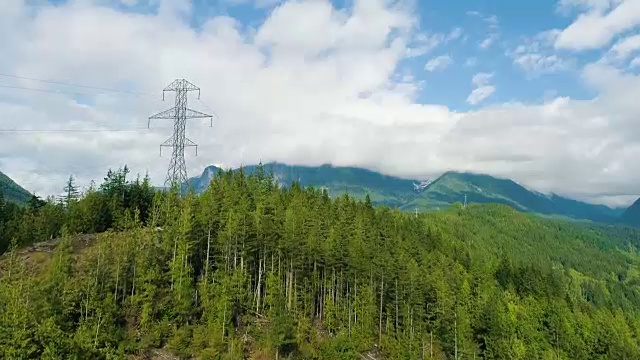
column 449, row 188
column 452, row 187
column 251, row 270
column 632, row 215
column 102, row 208
column 357, row 182
column 12, row 191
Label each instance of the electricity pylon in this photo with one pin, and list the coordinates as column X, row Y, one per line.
column 177, row 173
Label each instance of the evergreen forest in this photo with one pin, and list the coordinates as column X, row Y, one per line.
column 252, row 270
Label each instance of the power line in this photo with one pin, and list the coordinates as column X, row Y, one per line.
column 57, row 82
column 67, row 130
column 209, row 108
column 75, row 93
column 44, row 90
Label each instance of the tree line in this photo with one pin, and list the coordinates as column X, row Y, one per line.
column 249, row 269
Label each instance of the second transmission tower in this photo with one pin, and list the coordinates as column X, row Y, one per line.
column 177, row 173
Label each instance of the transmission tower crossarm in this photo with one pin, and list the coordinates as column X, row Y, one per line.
column 170, row 142
column 181, row 84
column 166, row 114
column 173, row 113
column 194, row 114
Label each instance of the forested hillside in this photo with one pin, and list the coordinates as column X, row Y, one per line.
column 452, row 187
column 412, row 195
column 12, row 191
column 357, row 182
column 632, row 215
column 251, row 270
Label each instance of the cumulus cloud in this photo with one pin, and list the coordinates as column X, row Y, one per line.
column 438, row 63
column 332, row 91
column 597, row 27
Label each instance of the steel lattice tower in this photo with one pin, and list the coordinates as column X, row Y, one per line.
column 177, row 173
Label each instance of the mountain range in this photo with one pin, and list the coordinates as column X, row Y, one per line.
column 412, row 195
column 12, row 191
column 430, row 195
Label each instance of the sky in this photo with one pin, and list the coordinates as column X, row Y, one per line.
column 542, row 92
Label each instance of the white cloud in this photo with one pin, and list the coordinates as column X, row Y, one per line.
column 592, row 5
column 538, row 63
column 319, row 27
column 483, row 89
column 331, row 92
column 256, row 3
column 424, row 43
column 596, row 27
column 537, row 56
column 491, row 20
column 478, row 95
column 493, row 24
column 438, row 63
column 635, row 62
column 481, row 79
column 486, row 43
column 623, row 48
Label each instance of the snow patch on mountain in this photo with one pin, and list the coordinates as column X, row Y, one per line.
column 422, row 185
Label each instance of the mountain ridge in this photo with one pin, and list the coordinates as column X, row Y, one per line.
column 12, row 191
column 426, row 195
column 631, row 215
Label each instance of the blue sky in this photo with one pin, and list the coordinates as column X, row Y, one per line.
column 506, row 24
column 541, row 92
column 516, row 21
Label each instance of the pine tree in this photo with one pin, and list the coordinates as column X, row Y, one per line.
column 71, row 192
